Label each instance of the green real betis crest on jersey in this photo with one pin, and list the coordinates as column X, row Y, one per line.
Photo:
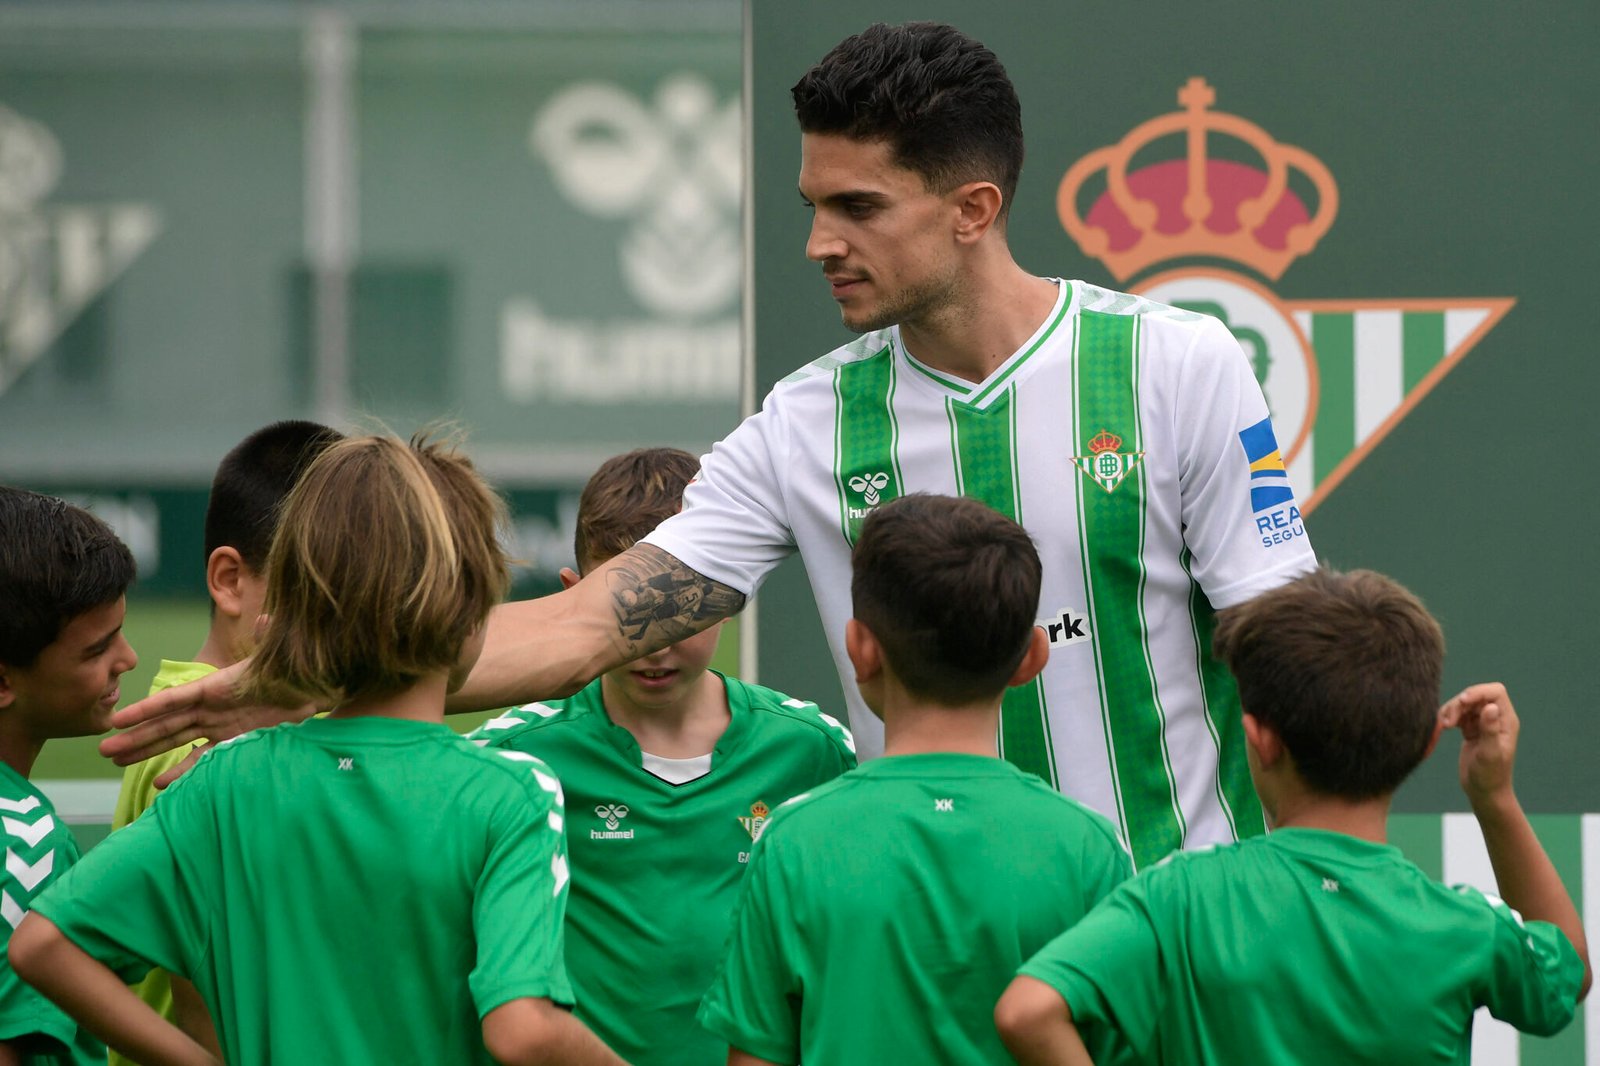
column 656, row 867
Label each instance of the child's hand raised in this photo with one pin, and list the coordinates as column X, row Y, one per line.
column 1489, row 728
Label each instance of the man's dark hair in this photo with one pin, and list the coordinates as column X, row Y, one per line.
column 950, row 588
column 56, row 562
column 626, row 498
column 1346, row 669
column 938, row 98
column 251, row 483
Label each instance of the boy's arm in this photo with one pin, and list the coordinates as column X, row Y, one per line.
column 533, row 1032
column 637, row 603
column 191, row 1015
column 744, row 1058
column 97, row 998
column 1527, row 879
column 1035, row 1025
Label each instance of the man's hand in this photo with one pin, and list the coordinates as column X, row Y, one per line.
column 1489, row 728
column 205, row 709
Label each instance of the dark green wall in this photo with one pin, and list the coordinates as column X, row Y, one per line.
column 1463, row 140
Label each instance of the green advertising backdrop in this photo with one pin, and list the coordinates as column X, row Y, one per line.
column 1427, row 351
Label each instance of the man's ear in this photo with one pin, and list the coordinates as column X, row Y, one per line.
column 569, row 577
column 8, row 694
column 866, row 654
column 225, row 572
column 1033, row 659
column 977, row 206
column 1263, row 740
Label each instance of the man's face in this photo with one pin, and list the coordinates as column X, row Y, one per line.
column 71, row 688
column 886, row 243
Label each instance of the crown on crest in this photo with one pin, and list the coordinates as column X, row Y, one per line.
column 1105, row 441
column 759, row 810
column 1196, row 205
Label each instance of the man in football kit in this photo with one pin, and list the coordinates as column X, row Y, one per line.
column 670, row 770
column 883, row 910
column 1339, row 951
column 1129, row 438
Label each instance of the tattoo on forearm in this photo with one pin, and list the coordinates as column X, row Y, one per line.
column 658, row 600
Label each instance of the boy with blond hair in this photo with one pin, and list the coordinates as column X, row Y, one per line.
column 670, row 770
column 247, row 492
column 1320, row 943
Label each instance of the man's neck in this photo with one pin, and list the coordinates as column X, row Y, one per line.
column 993, row 316
column 685, row 729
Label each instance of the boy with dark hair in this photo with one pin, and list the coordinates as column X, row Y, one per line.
column 247, row 492
column 670, row 769
column 1320, row 943
column 63, row 574
column 884, row 912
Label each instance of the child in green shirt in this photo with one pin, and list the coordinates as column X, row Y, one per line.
column 669, row 770
column 62, row 578
column 1319, row 943
column 247, row 492
column 885, row 911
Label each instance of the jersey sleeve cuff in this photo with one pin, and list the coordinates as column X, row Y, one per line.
column 557, row 992
column 763, row 1046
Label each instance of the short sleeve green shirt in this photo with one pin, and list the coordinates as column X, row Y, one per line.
column 656, row 867
column 39, row 849
column 1306, row 947
column 885, row 912
column 341, row 890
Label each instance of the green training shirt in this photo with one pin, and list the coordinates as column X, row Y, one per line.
column 342, row 890
column 1306, row 947
column 656, row 867
column 885, row 912
column 39, row 849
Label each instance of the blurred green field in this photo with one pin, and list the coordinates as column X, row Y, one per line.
column 175, row 629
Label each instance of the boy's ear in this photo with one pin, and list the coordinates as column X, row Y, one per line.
column 1033, row 659
column 866, row 654
column 569, row 577
column 225, row 571
column 1263, row 740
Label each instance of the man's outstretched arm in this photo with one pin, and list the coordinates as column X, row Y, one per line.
column 642, row 600
column 638, row 602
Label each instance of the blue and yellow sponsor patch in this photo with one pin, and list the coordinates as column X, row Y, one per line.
column 1269, row 478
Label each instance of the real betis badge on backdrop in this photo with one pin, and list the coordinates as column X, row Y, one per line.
column 1106, row 465
column 1338, row 374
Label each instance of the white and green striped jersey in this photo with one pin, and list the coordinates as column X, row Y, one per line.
column 1132, row 441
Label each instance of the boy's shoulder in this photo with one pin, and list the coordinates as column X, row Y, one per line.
column 39, row 846
column 774, row 711
column 547, row 719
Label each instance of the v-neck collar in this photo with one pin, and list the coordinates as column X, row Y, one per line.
column 1020, row 363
